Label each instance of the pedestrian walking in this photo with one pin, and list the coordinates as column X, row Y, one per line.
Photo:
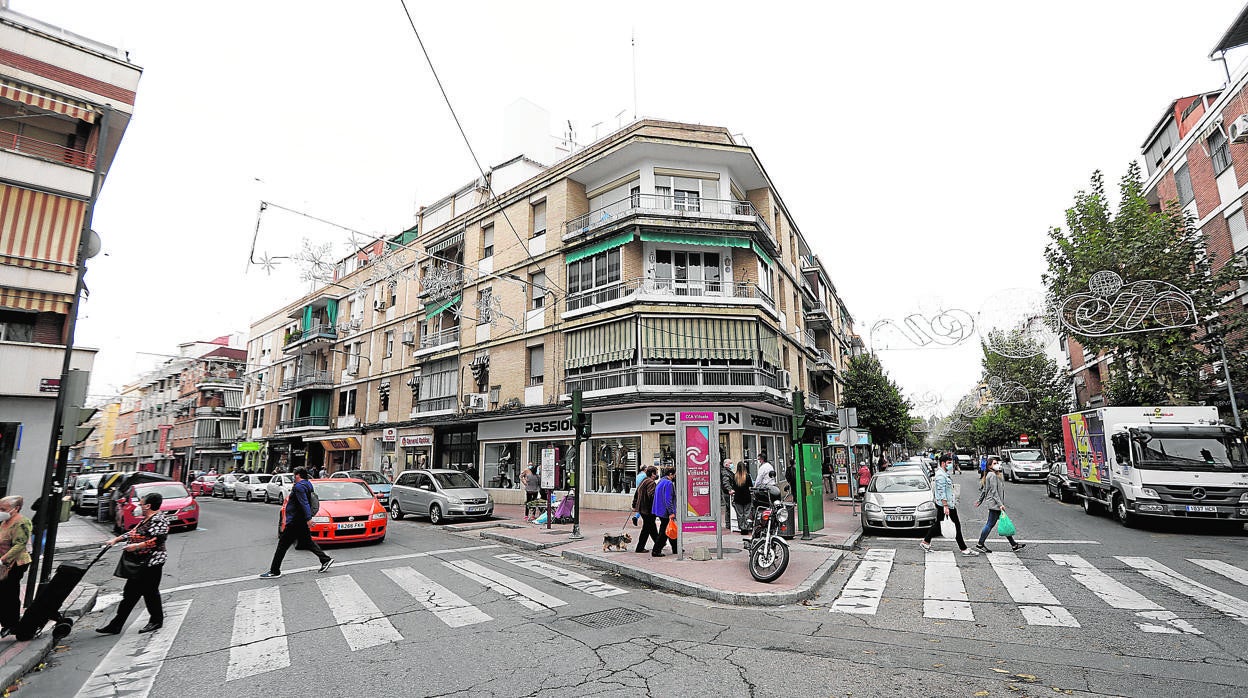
column 14, row 560
column 298, row 514
column 864, row 478
column 142, row 564
column 741, row 496
column 766, row 473
column 994, row 494
column 725, row 492
column 945, row 496
column 881, row 464
column 664, row 508
column 643, row 501
column 532, row 483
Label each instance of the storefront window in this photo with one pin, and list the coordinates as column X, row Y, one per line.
column 613, row 464
column 502, row 466
column 458, row 450
column 561, row 454
column 666, row 457
column 415, row 458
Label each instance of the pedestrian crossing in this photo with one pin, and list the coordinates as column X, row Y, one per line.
column 1123, row 587
column 260, row 640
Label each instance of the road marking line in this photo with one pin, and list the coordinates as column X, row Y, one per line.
column 442, row 602
column 1232, row 606
column 338, row 564
column 1058, row 542
column 1036, row 602
column 1227, row 570
column 130, row 667
column 1121, row 596
column 568, row 578
column 862, row 592
column 513, row 589
column 258, row 644
column 944, row 594
column 362, row 623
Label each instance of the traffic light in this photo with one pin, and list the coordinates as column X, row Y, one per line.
column 799, row 415
column 582, row 422
column 75, row 415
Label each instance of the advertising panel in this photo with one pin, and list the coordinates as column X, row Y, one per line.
column 1083, row 439
column 697, row 488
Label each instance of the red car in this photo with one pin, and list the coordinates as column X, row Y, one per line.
column 177, row 502
column 350, row 513
column 202, row 485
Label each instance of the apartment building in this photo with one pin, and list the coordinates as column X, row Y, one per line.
column 206, row 414
column 65, row 102
column 654, row 270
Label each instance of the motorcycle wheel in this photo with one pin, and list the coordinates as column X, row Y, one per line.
column 768, row 562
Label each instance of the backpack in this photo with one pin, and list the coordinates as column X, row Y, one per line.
column 314, row 502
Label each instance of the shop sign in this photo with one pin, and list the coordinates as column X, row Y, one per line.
column 389, row 434
column 49, row 385
column 517, row 428
column 245, row 446
column 723, row 419
column 416, row 441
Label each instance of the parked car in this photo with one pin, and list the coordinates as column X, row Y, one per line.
column 177, row 500
column 966, row 462
column 85, row 495
column 112, row 489
column 1059, row 484
column 375, row 481
column 202, row 485
column 1024, row 464
column 224, row 486
column 898, row 500
column 440, row 495
column 278, row 488
column 349, row 513
column 251, row 487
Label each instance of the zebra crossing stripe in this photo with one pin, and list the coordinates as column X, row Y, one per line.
column 862, row 592
column 568, row 578
column 1230, row 605
column 1121, row 596
column 944, row 594
column 1036, row 602
column 130, row 667
column 258, row 643
column 361, row 622
column 442, row 602
column 513, row 589
column 1227, row 570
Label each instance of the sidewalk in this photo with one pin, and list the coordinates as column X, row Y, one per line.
column 81, row 533
column 726, row 581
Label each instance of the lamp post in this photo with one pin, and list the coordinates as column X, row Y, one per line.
column 1213, row 337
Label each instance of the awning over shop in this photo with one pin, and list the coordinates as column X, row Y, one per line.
column 445, row 243
column 47, row 101
column 762, row 255
column 38, row 230
column 600, row 246
column 691, row 239
column 37, row 301
column 614, row 341
column 699, row 338
column 348, row 443
column 442, row 306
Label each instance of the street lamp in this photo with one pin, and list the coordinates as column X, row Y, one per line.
column 1213, row 337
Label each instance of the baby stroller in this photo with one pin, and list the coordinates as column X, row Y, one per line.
column 563, row 512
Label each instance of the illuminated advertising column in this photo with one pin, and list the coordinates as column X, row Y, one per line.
column 697, row 478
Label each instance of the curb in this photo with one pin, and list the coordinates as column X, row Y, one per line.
column 522, row 543
column 806, row 590
column 16, row 664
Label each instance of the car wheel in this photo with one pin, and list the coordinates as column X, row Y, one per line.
column 435, row 515
column 1048, row 489
column 396, row 512
column 379, row 540
column 249, row 495
column 193, row 526
column 1124, row 515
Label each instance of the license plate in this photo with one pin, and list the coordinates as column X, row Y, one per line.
column 350, row 526
column 1203, row 509
column 475, row 510
column 898, row 517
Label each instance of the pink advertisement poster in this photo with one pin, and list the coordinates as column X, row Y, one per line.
column 698, row 472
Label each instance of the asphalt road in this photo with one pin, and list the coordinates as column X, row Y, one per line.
column 430, row 612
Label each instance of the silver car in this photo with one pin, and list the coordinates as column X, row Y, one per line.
column 251, row 487
column 278, row 489
column 440, row 495
column 85, row 494
column 898, row 500
column 1024, row 464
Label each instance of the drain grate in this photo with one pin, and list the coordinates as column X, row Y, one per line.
column 610, row 618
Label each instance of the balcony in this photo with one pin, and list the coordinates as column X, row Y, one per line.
column 316, row 422
column 819, row 316
column 213, row 443
column 46, row 151
column 814, row 403
column 667, row 379
column 314, row 337
column 824, row 361
column 809, row 262
column 218, row 383
column 808, row 341
column 666, row 206
column 439, row 341
column 217, row 411
column 315, row 380
column 670, row 291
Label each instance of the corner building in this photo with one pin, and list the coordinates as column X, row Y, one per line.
column 656, row 270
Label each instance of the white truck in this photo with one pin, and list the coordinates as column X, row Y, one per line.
column 1172, row 462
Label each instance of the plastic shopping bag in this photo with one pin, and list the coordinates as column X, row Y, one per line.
column 1005, row 527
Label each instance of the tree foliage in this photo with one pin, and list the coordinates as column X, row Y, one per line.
column 1048, row 398
column 881, row 408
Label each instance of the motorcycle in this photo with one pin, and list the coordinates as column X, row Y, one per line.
column 768, row 552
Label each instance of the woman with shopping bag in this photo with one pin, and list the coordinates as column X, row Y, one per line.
column 994, row 494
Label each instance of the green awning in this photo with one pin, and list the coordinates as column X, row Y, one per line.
column 690, row 239
column 600, row 246
column 695, row 338
column 441, row 307
column 613, row 341
column 762, row 255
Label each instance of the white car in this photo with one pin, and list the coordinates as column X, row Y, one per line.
column 898, row 500
column 278, row 488
column 251, row 487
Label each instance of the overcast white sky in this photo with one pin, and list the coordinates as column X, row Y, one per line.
column 923, row 148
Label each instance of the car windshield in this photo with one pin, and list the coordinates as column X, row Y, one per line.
column 264, row 478
column 898, row 483
column 454, row 481
column 332, row 491
column 168, row 490
column 87, row 481
column 1192, row 453
column 372, row 477
column 1026, row 455
column 286, row 478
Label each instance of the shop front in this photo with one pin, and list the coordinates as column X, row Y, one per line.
column 455, row 448
column 415, row 451
column 341, row 453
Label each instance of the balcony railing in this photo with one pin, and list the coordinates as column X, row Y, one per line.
column 318, row 331
column 819, row 315
column 808, row 340
column 217, row 411
column 209, row 382
column 667, row 289
column 315, row 378
column 303, row 423
column 809, row 261
column 48, row 151
column 825, row 359
column 664, row 377
column 212, row 442
column 437, row 339
column 436, row 404
column 665, row 205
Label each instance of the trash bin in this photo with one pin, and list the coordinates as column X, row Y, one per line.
column 64, row 513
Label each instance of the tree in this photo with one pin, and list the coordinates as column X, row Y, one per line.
column 881, row 408
column 1140, row 243
column 1048, row 395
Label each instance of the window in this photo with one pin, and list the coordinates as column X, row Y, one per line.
column 537, row 365
column 438, row 385
column 687, row 273
column 1183, row 183
column 614, row 464
column 485, row 310
column 17, row 327
column 600, row 270
column 685, row 193
column 1239, row 240
column 383, row 396
column 487, row 241
column 502, row 465
column 389, row 344
column 780, row 281
column 539, row 218
column 346, row 403
column 1219, row 152
column 259, row 418
column 537, row 291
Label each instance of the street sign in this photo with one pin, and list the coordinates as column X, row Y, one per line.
column 847, row 417
column 1022, row 439
column 847, row 437
column 548, row 468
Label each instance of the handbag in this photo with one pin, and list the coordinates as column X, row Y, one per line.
column 129, row 566
column 671, row 531
column 1005, row 527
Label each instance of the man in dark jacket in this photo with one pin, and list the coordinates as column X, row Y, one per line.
column 643, row 500
column 298, row 514
column 725, row 488
column 664, row 508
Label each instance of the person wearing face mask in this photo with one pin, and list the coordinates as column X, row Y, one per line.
column 994, row 495
column 142, row 565
column 14, row 559
column 945, row 496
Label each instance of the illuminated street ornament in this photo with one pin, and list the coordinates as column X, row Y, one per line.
column 970, row 407
column 946, row 328
column 928, row 400
column 1016, row 323
column 441, row 281
column 1114, row 308
column 995, row 391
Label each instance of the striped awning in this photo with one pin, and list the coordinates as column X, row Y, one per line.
column 38, row 230
column 229, row 429
column 47, row 101
column 693, row 338
column 692, row 239
column 613, row 341
column 445, row 243
column 37, row 301
column 769, row 342
column 600, row 246
column 233, row 399
column 442, row 306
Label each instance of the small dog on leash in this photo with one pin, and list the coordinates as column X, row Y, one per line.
column 615, row 541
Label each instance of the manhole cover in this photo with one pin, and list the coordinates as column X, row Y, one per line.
column 610, row 618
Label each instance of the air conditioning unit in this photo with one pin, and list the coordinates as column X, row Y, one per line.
column 353, row 367
column 1239, row 129
column 409, row 338
column 379, row 304
column 474, row 401
column 784, row 379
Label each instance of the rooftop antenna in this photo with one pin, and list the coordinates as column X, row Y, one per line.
column 634, row 42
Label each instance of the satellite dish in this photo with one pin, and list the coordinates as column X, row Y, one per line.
column 93, row 244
